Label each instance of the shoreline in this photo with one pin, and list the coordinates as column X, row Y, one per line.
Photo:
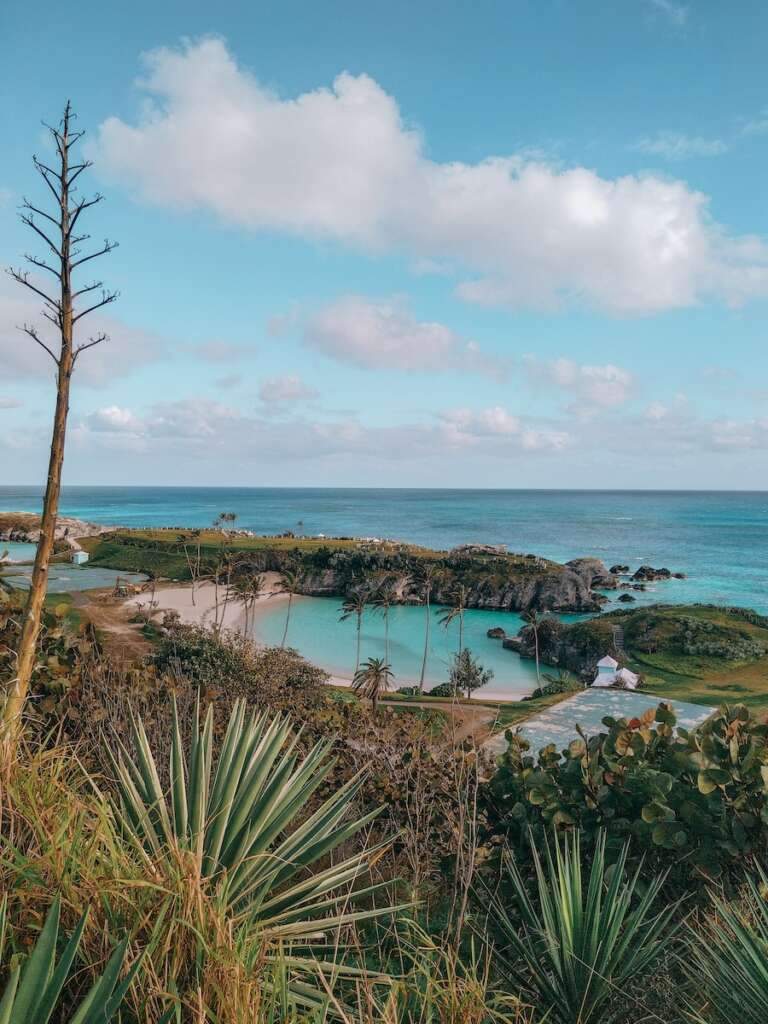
column 178, row 597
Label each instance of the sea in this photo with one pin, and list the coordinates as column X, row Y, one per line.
column 718, row 539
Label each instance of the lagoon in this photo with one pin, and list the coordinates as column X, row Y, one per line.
column 315, row 631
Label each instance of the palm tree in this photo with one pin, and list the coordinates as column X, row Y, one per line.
column 533, row 619
column 290, row 583
column 247, row 587
column 382, row 598
column 456, row 611
column 426, row 577
column 372, row 679
column 355, row 604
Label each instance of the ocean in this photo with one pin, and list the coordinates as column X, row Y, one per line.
column 718, row 539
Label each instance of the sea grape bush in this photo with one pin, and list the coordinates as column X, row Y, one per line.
column 695, row 802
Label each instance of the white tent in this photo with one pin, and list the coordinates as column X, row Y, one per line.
column 609, row 674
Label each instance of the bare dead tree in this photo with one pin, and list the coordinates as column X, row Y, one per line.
column 60, row 231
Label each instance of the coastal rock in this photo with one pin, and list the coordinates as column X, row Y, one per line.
column 593, row 570
column 647, row 573
column 24, row 528
column 619, row 569
column 511, row 643
column 496, row 633
column 626, row 598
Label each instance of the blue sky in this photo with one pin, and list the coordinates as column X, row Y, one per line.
column 499, row 244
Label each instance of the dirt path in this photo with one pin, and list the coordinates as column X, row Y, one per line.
column 475, row 723
column 122, row 638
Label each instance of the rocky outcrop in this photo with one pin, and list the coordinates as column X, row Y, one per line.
column 626, row 598
column 647, row 573
column 619, row 570
column 24, row 528
column 492, row 580
column 496, row 633
column 594, row 572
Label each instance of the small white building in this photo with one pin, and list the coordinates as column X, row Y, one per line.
column 609, row 674
column 79, row 557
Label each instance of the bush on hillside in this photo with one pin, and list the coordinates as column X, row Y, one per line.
column 696, row 802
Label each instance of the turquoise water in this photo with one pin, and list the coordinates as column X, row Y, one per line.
column 718, row 538
column 315, row 629
column 66, row 578
column 18, row 552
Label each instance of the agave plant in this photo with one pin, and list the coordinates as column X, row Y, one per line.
column 33, row 989
column 244, row 824
column 587, row 939
column 729, row 960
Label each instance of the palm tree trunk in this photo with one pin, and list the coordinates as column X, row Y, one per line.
column 287, row 620
column 461, row 630
column 536, row 651
column 357, row 657
column 426, row 650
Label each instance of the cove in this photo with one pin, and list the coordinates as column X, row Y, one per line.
column 315, row 631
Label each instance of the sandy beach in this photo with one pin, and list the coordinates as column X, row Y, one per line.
column 178, row 597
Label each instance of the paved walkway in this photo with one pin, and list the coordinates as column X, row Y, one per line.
column 587, row 709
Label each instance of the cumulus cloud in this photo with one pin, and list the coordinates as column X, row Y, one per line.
column 113, row 420
column 676, row 146
column 199, row 428
column 384, row 335
column 603, row 386
column 286, row 390
column 496, row 423
column 341, row 163
column 128, row 347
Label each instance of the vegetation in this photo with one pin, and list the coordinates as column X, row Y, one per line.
column 699, row 653
column 367, row 867
column 372, row 680
column 582, row 936
column 695, row 802
column 467, row 674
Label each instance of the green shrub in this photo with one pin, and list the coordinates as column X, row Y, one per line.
column 696, row 801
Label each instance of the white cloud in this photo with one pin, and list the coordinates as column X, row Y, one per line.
column 603, row 386
column 286, row 389
column 676, row 12
column 464, row 426
column 341, row 163
column 114, row 420
column 676, row 146
column 755, row 125
column 200, row 429
column 384, row 334
column 9, row 403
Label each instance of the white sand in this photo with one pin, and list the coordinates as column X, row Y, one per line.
column 177, row 597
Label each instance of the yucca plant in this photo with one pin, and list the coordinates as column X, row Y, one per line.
column 578, row 946
column 243, row 825
column 727, row 959
column 34, row 987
